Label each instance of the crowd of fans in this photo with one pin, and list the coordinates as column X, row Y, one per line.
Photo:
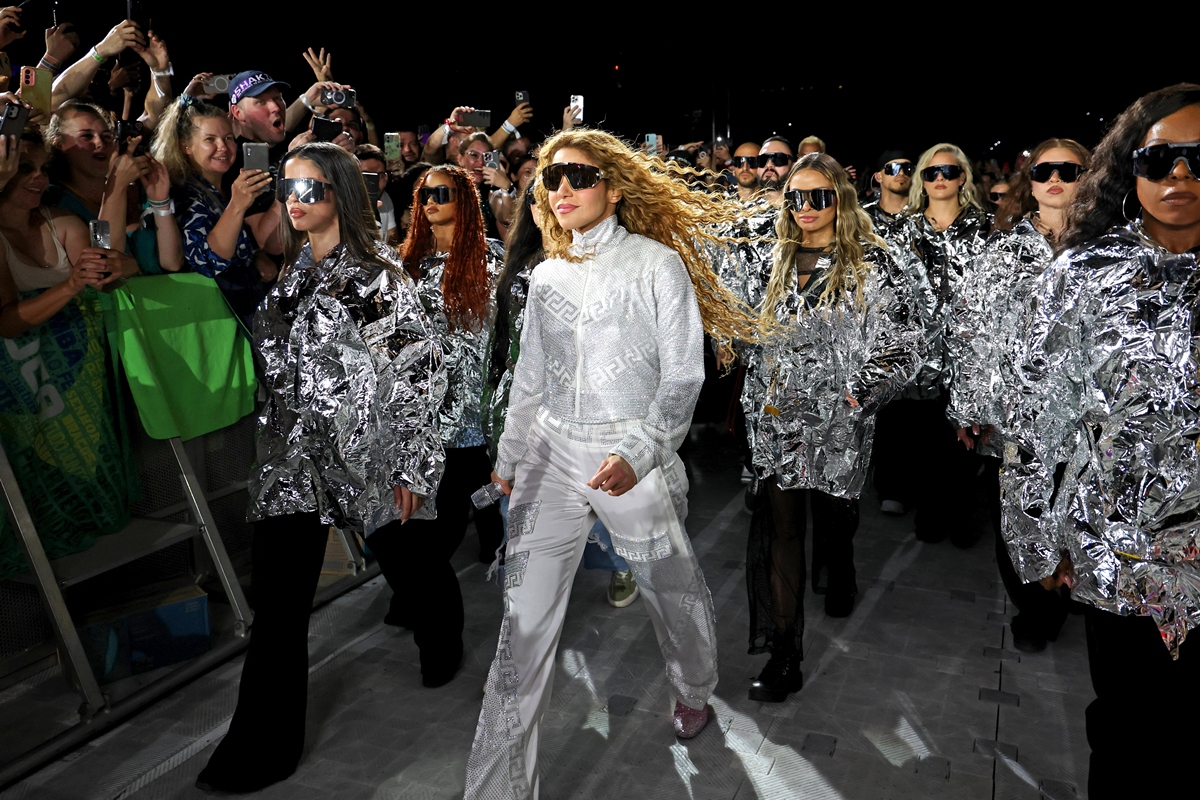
column 101, row 182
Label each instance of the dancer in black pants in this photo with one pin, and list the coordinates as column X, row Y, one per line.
column 347, row 437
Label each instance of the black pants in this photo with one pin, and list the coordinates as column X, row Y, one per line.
column 415, row 559
column 266, row 735
column 893, row 477
column 941, row 472
column 1141, row 726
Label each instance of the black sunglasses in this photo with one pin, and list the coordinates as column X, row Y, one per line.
column 894, row 168
column 1068, row 171
column 1158, row 160
column 307, row 190
column 947, row 171
column 775, row 159
column 580, row 176
column 997, row 196
column 439, row 194
column 817, row 199
column 740, row 162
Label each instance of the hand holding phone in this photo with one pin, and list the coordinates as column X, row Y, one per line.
column 391, row 147
column 577, row 102
column 325, row 129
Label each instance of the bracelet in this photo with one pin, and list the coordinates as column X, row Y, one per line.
column 445, row 130
column 94, row 53
column 307, row 104
column 50, row 63
column 508, row 127
column 166, row 73
column 168, row 211
column 159, row 203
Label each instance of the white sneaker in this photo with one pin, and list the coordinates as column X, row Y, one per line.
column 747, row 475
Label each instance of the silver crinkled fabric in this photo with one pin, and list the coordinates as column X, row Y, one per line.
column 1110, row 389
column 811, row 437
column 592, row 351
column 465, row 351
column 942, row 258
column 497, row 399
column 744, row 267
column 354, row 376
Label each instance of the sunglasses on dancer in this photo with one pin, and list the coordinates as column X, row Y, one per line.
column 997, row 196
column 774, row 159
column 1068, row 171
column 947, row 171
column 438, row 194
column 307, row 190
column 894, row 168
column 579, row 176
column 816, row 199
column 1158, row 160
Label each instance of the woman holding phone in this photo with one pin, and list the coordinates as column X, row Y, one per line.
column 347, row 437
column 196, row 143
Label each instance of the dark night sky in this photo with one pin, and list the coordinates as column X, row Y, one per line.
column 641, row 82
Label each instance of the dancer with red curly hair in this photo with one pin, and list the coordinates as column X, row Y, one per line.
column 455, row 268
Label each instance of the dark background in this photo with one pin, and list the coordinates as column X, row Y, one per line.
column 411, row 68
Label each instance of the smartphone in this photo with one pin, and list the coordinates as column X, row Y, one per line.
column 492, row 159
column 129, row 129
column 98, row 231
column 35, row 88
column 391, row 147
column 475, row 119
column 522, row 97
column 218, row 84
column 15, row 117
column 577, row 100
column 652, row 144
column 256, row 155
column 372, row 181
column 325, row 129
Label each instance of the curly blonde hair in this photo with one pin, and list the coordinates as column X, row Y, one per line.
column 659, row 206
column 852, row 231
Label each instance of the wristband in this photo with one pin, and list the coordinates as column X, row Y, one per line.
column 307, row 104
column 166, row 73
column 50, row 63
column 159, row 203
column 164, row 212
column 508, row 127
column 94, row 53
column 445, row 130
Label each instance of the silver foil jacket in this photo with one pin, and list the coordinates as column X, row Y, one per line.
column 594, row 351
column 811, row 437
column 1111, row 391
column 744, row 267
column 354, row 376
column 497, row 399
column 942, row 258
column 464, row 350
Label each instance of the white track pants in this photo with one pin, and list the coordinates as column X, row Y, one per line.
column 551, row 512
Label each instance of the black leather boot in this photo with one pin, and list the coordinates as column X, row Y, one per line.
column 781, row 676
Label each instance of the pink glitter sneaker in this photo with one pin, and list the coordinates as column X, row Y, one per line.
column 689, row 721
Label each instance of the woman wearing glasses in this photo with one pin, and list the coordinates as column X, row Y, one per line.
column 1111, row 373
column 610, row 369
column 455, row 268
column 852, row 341
column 987, row 316
column 946, row 230
column 347, row 437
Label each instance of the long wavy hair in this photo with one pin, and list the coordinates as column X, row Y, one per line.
column 1109, row 184
column 465, row 284
column 852, row 231
column 357, row 228
column 656, row 205
column 176, row 128
column 1018, row 201
column 522, row 248
column 59, row 168
column 918, row 200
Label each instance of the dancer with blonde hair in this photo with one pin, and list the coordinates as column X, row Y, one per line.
column 611, row 366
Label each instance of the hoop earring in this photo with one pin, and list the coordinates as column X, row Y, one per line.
column 1125, row 213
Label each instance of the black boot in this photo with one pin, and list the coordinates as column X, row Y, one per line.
column 781, row 676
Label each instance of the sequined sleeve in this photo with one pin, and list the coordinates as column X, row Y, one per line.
column 680, row 342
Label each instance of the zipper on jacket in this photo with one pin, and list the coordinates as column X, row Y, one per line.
column 579, row 340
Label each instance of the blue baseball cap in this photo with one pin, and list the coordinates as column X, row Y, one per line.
column 251, row 83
